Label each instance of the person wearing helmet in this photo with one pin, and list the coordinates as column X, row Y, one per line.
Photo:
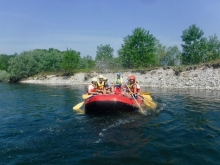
column 118, row 83
column 100, row 84
column 92, row 87
column 133, row 88
column 107, row 87
column 118, row 80
column 106, row 82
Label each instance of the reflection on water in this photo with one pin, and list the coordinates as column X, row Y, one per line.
column 38, row 126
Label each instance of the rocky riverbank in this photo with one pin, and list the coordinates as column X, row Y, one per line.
column 194, row 77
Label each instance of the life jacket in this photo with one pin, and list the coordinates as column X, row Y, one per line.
column 100, row 86
column 131, row 87
column 118, row 82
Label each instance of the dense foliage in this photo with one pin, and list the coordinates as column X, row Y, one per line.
column 29, row 63
column 194, row 45
column 169, row 56
column 86, row 63
column 197, row 48
column 70, row 60
column 4, row 76
column 139, row 50
column 104, row 57
column 213, row 48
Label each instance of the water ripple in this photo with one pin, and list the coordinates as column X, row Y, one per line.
column 37, row 125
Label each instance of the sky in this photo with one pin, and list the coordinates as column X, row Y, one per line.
column 82, row 25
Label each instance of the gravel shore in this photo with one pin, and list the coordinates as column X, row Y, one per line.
column 203, row 77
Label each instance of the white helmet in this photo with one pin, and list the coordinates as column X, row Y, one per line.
column 94, row 79
column 101, row 76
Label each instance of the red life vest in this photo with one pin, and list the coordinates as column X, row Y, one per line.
column 131, row 87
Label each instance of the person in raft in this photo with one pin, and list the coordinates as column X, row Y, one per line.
column 106, row 82
column 107, row 86
column 118, row 83
column 132, row 88
column 92, row 87
column 100, row 84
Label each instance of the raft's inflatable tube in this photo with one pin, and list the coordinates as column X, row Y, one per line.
column 111, row 103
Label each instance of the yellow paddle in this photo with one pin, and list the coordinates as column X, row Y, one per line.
column 79, row 111
column 145, row 93
column 78, row 106
column 149, row 103
column 86, row 96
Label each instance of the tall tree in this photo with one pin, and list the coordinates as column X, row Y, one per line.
column 22, row 66
column 104, row 52
column 4, row 61
column 70, row 60
column 52, row 60
column 104, row 57
column 138, row 49
column 194, row 46
column 161, row 53
column 173, row 55
column 4, row 76
column 213, row 48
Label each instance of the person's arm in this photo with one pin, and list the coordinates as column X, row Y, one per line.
column 99, row 90
column 91, row 90
column 135, row 89
column 104, row 90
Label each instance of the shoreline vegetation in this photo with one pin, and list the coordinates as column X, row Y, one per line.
column 196, row 66
column 204, row 76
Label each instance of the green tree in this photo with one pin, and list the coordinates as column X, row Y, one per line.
column 173, row 55
column 167, row 55
column 213, row 48
column 4, row 61
column 52, row 60
column 138, row 50
column 104, row 57
column 194, row 46
column 70, row 60
column 22, row 66
column 4, row 76
column 161, row 53
column 86, row 63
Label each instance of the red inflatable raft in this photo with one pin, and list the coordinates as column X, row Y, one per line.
column 111, row 103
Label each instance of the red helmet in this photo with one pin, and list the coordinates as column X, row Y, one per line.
column 132, row 77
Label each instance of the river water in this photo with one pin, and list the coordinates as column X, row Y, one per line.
column 38, row 126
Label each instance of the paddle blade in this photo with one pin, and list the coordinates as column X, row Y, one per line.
column 145, row 93
column 79, row 111
column 78, row 106
column 86, row 96
column 149, row 103
column 147, row 97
